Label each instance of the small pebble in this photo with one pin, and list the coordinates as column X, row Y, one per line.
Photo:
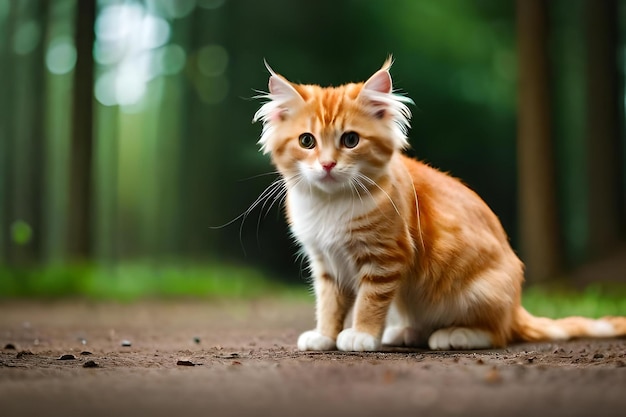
column 23, row 353
column 126, row 343
column 185, row 362
column 67, row 357
column 90, row 364
column 85, row 353
column 9, row 346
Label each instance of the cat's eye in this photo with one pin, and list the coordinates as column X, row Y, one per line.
column 307, row 141
column 350, row 139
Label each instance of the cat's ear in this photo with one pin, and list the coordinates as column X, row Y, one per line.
column 376, row 92
column 280, row 88
column 379, row 101
column 380, row 82
column 281, row 99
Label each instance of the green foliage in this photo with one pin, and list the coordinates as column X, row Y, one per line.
column 131, row 281
column 21, row 232
column 594, row 301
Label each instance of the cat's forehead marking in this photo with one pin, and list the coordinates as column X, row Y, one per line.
column 331, row 103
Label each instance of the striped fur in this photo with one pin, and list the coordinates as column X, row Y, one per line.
column 417, row 256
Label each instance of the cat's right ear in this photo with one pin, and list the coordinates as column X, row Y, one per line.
column 281, row 98
column 280, row 88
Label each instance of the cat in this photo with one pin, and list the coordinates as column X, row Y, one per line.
column 418, row 257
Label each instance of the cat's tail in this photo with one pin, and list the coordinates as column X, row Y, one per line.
column 528, row 328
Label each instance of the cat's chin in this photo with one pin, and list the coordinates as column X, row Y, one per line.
column 330, row 186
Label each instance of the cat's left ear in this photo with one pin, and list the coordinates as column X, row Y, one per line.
column 379, row 100
column 380, row 82
column 375, row 90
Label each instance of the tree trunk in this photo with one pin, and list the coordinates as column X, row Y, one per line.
column 80, row 191
column 540, row 238
column 603, row 126
column 7, row 69
column 25, row 146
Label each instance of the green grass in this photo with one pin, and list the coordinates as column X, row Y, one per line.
column 138, row 280
column 562, row 301
column 132, row 281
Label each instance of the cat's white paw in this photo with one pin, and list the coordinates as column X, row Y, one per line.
column 400, row 336
column 459, row 338
column 350, row 340
column 313, row 340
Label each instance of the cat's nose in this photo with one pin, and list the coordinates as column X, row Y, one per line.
column 328, row 165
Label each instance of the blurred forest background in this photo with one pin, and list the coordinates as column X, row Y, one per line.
column 126, row 134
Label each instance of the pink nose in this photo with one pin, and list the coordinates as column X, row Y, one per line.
column 328, row 165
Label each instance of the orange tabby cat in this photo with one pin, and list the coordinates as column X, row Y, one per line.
column 417, row 255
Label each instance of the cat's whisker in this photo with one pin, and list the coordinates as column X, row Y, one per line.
column 356, row 190
column 277, row 184
column 252, row 206
column 264, row 197
column 277, row 190
column 417, row 210
column 264, row 174
column 371, row 181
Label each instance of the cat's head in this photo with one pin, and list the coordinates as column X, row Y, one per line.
column 333, row 138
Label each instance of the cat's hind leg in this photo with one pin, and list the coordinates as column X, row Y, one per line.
column 401, row 336
column 398, row 330
column 459, row 338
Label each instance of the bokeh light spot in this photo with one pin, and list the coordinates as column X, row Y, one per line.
column 212, row 60
column 21, row 232
column 170, row 59
column 104, row 89
column 61, row 55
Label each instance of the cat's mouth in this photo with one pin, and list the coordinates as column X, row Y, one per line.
column 328, row 177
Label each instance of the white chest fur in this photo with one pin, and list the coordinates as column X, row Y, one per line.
column 321, row 224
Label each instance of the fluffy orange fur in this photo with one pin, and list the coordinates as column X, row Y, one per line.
column 417, row 256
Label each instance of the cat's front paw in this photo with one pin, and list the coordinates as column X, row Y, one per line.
column 313, row 340
column 351, row 340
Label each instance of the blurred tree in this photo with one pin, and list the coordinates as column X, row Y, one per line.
column 538, row 223
column 7, row 69
column 23, row 212
column 81, row 150
column 603, row 132
column 174, row 153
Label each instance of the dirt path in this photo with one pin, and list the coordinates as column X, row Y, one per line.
column 246, row 365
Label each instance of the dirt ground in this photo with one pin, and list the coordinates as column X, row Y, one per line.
column 245, row 364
